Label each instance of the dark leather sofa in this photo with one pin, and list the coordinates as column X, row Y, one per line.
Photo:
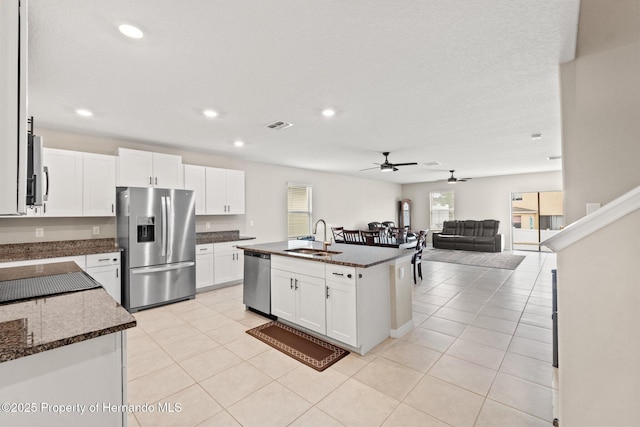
column 469, row 235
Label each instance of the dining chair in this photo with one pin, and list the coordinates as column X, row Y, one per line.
column 416, row 259
column 370, row 237
column 338, row 237
column 352, row 237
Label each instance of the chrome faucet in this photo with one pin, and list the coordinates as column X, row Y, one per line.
column 325, row 243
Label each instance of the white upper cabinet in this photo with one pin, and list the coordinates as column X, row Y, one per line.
column 146, row 169
column 225, row 191
column 64, row 182
column 194, row 179
column 99, row 185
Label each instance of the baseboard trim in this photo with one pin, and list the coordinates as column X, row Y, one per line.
column 397, row 333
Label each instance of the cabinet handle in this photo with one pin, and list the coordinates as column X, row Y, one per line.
column 103, row 259
column 327, row 291
column 117, row 274
column 203, row 249
column 291, row 283
column 349, row 276
column 296, row 281
column 44, row 208
column 156, row 180
column 150, row 181
column 338, row 274
column 112, row 208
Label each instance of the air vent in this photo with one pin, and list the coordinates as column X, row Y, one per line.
column 279, row 125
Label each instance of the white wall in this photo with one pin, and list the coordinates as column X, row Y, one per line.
column 599, row 277
column 339, row 200
column 480, row 198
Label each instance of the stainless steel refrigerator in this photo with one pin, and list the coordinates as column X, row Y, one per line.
column 157, row 232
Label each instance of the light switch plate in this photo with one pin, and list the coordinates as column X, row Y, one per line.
column 39, row 232
column 96, row 230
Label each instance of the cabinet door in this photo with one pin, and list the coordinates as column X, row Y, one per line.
column 109, row 277
column 238, row 264
column 310, row 302
column 235, row 192
column 65, row 182
column 341, row 312
column 223, row 266
column 283, row 295
column 135, row 168
column 167, row 171
column 204, row 270
column 98, row 185
column 194, row 179
column 216, row 199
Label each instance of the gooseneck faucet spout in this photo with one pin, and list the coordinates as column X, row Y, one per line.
column 325, row 243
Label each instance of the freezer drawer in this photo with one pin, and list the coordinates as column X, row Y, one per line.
column 149, row 286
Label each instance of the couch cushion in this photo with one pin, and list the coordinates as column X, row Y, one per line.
column 489, row 228
column 469, row 228
column 449, row 227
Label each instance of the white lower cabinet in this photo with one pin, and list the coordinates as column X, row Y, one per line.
column 341, row 312
column 105, row 269
column 204, row 266
column 228, row 262
column 346, row 304
column 298, row 299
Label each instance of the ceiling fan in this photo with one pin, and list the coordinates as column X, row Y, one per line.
column 388, row 166
column 453, row 179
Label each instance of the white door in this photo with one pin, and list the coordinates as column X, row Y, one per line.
column 283, row 296
column 109, row 277
column 167, row 171
column 135, row 168
column 65, row 182
column 98, row 185
column 235, row 192
column 216, row 198
column 195, row 179
column 310, row 301
column 341, row 312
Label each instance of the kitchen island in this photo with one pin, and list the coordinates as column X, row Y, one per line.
column 62, row 357
column 353, row 295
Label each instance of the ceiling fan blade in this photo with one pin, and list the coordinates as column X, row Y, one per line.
column 368, row 169
column 405, row 164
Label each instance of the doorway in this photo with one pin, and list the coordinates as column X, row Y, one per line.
column 535, row 216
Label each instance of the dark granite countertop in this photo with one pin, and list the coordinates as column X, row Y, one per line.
column 63, row 248
column 44, row 323
column 220, row 237
column 350, row 255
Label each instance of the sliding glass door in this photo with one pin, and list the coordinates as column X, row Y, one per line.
column 536, row 216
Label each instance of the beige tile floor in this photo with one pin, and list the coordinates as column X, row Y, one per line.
column 479, row 355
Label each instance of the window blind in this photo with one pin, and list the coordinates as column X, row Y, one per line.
column 299, row 210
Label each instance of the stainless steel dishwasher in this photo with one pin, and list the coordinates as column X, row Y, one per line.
column 257, row 282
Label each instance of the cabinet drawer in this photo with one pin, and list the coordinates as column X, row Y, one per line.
column 97, row 260
column 341, row 274
column 204, row 249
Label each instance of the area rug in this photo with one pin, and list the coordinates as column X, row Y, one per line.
column 301, row 346
column 481, row 259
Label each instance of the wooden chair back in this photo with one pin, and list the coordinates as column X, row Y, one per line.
column 370, row 237
column 352, row 237
column 338, row 237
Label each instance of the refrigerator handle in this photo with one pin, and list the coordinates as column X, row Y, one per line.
column 169, row 227
column 161, row 268
column 163, row 202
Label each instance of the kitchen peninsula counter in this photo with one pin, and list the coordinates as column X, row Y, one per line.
column 66, row 350
column 44, row 323
column 361, row 256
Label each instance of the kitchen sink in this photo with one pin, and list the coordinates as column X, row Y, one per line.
column 311, row 252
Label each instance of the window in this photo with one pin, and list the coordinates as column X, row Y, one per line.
column 441, row 208
column 299, row 210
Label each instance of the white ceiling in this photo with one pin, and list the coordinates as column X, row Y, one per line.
column 463, row 83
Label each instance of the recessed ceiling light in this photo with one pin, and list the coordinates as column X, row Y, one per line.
column 328, row 112
column 536, row 136
column 84, row 112
column 238, row 143
column 131, row 31
column 210, row 113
